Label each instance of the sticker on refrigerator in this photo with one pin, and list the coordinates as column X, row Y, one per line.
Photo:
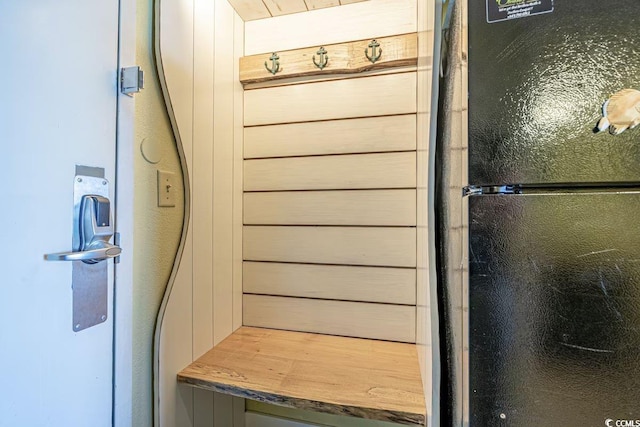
column 502, row 10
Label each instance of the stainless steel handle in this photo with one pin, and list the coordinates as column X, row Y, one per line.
column 99, row 254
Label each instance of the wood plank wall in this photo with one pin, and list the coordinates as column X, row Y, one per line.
column 200, row 43
column 330, row 181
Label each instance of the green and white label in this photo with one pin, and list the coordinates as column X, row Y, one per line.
column 502, row 10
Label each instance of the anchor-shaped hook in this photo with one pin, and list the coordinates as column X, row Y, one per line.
column 324, row 58
column 275, row 64
column 374, row 56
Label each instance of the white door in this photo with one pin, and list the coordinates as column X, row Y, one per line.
column 57, row 110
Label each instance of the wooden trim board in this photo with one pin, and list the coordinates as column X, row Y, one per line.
column 370, row 379
column 341, row 58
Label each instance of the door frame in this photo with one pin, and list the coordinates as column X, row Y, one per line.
column 123, row 289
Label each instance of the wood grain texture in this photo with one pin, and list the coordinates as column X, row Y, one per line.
column 326, row 77
column 319, row 4
column 202, row 180
column 222, row 165
column 358, row 171
column 362, row 378
column 284, row 7
column 339, row 99
column 250, row 9
column 354, row 207
column 345, row 318
column 368, row 19
column 367, row 284
column 343, row 58
column 367, row 135
column 173, row 345
column 426, row 295
column 376, row 246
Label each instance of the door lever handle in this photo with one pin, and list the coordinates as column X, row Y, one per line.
column 91, row 256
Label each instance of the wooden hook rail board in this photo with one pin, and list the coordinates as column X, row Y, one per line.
column 342, row 58
column 377, row 380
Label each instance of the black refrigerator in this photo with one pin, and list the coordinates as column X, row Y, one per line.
column 554, row 213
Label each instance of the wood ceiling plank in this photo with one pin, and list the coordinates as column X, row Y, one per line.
column 250, row 10
column 285, row 7
column 320, row 4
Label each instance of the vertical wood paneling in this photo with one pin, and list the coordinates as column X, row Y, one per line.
column 176, row 340
column 223, row 142
column 203, row 412
column 425, row 271
column 238, row 141
column 259, row 420
column 239, row 408
column 223, row 415
column 199, row 56
column 202, row 197
column 368, row 19
column 338, row 99
column 202, row 177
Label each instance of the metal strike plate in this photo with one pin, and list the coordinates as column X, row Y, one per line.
column 131, row 80
column 89, row 281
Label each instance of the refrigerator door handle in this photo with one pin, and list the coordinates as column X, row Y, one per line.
column 475, row 190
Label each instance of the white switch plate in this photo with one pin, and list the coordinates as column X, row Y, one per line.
column 166, row 189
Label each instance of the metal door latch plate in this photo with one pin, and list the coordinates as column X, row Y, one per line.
column 131, row 80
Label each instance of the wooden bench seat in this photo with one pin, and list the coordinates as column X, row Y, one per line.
column 371, row 379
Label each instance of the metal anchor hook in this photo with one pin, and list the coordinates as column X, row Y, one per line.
column 375, row 52
column 323, row 60
column 275, row 64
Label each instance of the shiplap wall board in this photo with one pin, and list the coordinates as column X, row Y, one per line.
column 381, row 246
column 200, row 47
column 354, row 319
column 354, row 207
column 357, row 171
column 338, row 99
column 365, row 135
column 368, row 284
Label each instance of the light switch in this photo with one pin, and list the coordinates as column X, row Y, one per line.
column 166, row 189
